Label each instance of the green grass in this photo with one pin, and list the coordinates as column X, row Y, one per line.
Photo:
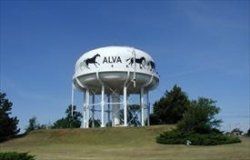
column 118, row 144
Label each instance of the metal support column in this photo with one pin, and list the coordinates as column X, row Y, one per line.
column 142, row 106
column 148, row 107
column 102, row 106
column 87, row 109
column 93, row 111
column 125, row 106
column 84, row 110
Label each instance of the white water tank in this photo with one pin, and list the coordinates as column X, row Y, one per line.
column 114, row 65
column 114, row 72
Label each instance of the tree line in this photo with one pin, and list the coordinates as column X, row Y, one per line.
column 174, row 107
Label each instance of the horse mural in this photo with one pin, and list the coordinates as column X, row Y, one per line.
column 151, row 65
column 140, row 61
column 88, row 61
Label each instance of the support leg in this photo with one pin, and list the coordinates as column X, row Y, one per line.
column 93, row 111
column 87, row 109
column 142, row 106
column 102, row 106
column 148, row 107
column 125, row 106
column 84, row 111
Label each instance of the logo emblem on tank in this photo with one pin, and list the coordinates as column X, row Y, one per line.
column 88, row 61
column 141, row 61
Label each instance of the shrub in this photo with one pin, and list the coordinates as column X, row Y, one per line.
column 248, row 132
column 15, row 156
column 178, row 137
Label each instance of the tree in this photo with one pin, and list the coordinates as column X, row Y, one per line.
column 200, row 117
column 8, row 125
column 171, row 107
column 236, row 131
column 34, row 125
column 69, row 121
column 248, row 132
column 154, row 119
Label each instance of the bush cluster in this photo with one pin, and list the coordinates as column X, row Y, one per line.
column 248, row 132
column 15, row 156
column 69, row 121
column 178, row 137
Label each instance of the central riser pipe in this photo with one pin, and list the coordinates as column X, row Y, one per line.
column 115, row 98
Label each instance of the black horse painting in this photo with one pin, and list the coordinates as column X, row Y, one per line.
column 140, row 61
column 91, row 60
column 151, row 64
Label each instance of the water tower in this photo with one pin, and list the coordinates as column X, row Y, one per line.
column 108, row 77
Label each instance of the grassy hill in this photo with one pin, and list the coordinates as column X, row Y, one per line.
column 117, row 143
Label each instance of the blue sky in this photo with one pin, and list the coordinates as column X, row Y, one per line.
column 203, row 46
